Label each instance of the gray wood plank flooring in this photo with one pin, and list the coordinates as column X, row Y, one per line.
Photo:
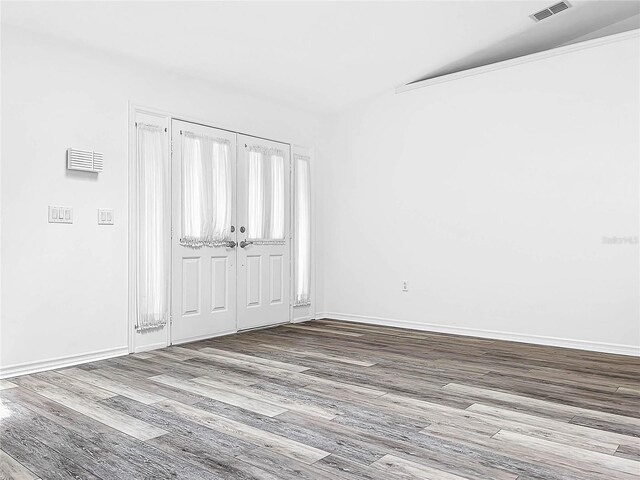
column 329, row 400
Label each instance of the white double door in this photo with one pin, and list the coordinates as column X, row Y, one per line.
column 242, row 279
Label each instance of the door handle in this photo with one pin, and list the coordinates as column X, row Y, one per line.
column 231, row 244
column 244, row 243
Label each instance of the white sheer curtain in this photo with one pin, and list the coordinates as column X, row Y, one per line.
column 154, row 228
column 256, row 203
column 302, row 230
column 206, row 191
column 276, row 221
column 265, row 208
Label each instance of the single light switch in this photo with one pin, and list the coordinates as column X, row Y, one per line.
column 105, row 216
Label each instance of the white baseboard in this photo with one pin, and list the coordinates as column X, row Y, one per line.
column 61, row 362
column 619, row 349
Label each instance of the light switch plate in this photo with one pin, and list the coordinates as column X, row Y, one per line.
column 60, row 214
column 105, row 216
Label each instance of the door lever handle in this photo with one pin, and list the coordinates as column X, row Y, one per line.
column 231, row 244
column 244, row 243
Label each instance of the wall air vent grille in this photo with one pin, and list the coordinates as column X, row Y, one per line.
column 85, row 160
column 552, row 10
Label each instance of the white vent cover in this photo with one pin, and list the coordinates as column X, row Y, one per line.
column 84, row 160
column 552, row 10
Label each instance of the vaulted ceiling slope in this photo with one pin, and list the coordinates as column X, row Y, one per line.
column 579, row 22
column 320, row 56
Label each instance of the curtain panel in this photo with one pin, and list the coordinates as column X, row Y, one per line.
column 302, row 231
column 154, row 228
column 207, row 191
column 266, row 195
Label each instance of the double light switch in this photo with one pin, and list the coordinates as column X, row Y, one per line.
column 105, row 216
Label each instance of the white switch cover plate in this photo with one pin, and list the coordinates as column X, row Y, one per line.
column 60, row 214
column 105, row 216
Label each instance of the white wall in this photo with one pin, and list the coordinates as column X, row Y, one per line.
column 491, row 195
column 64, row 287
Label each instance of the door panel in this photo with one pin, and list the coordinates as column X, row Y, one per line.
column 254, row 280
column 191, row 286
column 219, row 283
column 263, row 218
column 203, row 277
column 276, row 269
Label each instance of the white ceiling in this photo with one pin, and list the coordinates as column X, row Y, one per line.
column 320, row 56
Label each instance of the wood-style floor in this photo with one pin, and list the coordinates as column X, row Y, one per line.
column 329, row 400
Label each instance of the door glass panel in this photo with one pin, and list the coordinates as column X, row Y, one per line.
column 207, row 191
column 265, row 196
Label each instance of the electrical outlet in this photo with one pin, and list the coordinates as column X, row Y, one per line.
column 405, row 285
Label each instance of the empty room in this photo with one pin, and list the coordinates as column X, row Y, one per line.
column 344, row 240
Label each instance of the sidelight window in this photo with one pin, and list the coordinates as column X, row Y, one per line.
column 302, row 230
column 153, row 232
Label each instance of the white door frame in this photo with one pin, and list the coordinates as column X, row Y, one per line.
column 164, row 339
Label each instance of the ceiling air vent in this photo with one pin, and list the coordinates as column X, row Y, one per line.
column 552, row 10
column 86, row 160
column 542, row 15
column 558, row 7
